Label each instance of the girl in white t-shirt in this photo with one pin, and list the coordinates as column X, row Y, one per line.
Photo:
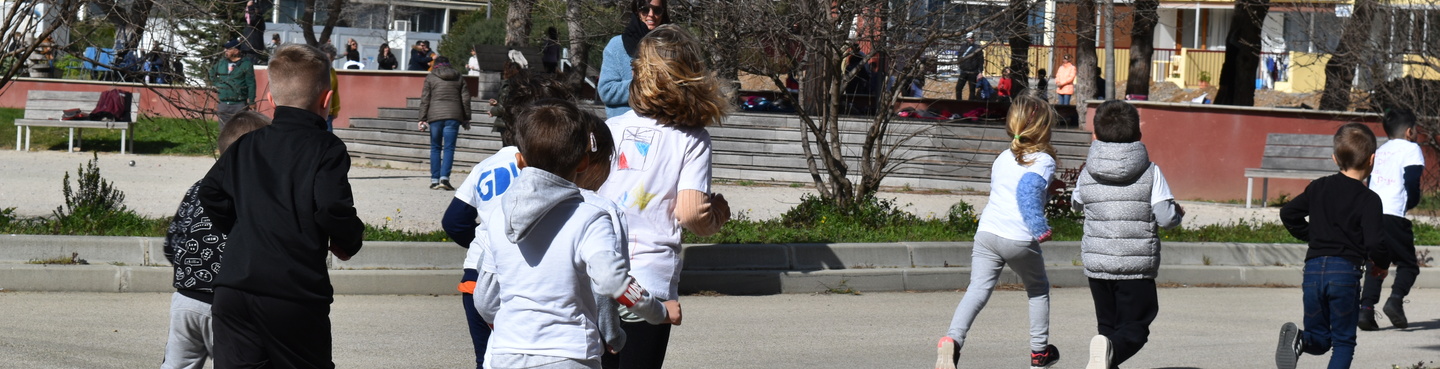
column 1011, row 229
column 661, row 171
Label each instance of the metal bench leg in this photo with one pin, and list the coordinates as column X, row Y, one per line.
column 72, row 140
column 1264, row 192
column 1249, row 190
column 18, row 134
column 28, row 135
column 122, row 141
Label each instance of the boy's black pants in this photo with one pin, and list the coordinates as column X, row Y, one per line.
column 254, row 331
column 1124, row 310
column 1399, row 241
column 645, row 346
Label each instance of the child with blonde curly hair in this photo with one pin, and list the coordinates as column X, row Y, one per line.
column 660, row 173
column 1010, row 232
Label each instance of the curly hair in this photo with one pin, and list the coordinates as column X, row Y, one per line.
column 1028, row 125
column 673, row 84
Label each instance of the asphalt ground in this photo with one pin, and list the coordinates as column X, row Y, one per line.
column 1196, row 328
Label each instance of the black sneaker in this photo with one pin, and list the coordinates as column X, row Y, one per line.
column 445, row 184
column 1367, row 319
column 434, row 185
column 948, row 354
column 1287, row 353
column 1396, row 312
column 1044, row 359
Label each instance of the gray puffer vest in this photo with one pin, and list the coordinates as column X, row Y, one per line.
column 1120, row 239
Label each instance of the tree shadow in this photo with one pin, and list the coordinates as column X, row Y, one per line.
column 113, row 145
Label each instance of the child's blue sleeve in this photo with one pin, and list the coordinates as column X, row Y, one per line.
column 459, row 222
column 1030, row 195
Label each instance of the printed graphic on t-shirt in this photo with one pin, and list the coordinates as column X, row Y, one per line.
column 494, row 182
column 635, row 148
column 637, row 197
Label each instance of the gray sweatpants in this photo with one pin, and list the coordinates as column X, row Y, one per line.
column 191, row 340
column 990, row 255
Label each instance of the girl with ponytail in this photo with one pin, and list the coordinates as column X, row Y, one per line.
column 1011, row 229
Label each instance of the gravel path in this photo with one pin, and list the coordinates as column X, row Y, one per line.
column 30, row 182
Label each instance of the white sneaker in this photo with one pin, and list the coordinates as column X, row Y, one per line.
column 947, row 354
column 1100, row 352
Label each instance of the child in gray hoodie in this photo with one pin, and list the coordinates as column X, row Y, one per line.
column 1125, row 201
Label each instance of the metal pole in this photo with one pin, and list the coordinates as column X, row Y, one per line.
column 1109, row 50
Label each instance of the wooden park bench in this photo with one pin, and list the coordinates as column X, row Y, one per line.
column 45, row 108
column 1291, row 156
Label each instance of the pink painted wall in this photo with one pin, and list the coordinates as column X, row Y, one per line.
column 1205, row 149
column 362, row 93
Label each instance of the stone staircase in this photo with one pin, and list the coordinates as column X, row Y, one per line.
column 747, row 147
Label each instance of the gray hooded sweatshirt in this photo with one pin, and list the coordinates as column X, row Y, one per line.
column 549, row 249
column 1121, row 239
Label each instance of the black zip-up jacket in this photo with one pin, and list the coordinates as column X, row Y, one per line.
column 282, row 193
column 1344, row 219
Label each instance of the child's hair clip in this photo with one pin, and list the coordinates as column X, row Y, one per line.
column 593, row 147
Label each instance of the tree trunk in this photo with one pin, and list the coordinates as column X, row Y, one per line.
column 1242, row 54
column 517, row 23
column 1085, row 59
column 1340, row 70
column 1019, row 13
column 1142, row 47
column 129, row 20
column 579, row 49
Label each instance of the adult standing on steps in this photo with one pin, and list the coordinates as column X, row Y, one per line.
column 234, row 79
column 444, row 109
column 972, row 61
column 615, row 69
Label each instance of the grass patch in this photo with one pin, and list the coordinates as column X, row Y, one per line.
column 152, row 135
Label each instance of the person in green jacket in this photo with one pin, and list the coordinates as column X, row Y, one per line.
column 234, row 78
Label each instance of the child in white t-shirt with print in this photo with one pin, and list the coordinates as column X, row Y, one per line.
column 1396, row 178
column 1011, row 229
column 661, row 172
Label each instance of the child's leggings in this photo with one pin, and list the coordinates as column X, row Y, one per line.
column 991, row 254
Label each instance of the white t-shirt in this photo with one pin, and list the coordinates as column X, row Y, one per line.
column 473, row 66
column 1160, row 189
column 653, row 163
column 1001, row 216
column 482, row 189
column 1388, row 178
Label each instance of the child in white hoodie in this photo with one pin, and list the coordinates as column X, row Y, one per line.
column 538, row 243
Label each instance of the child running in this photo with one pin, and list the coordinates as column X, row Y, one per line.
column 661, row 175
column 1011, row 229
column 550, row 251
column 1396, row 179
column 1346, row 236
column 1125, row 198
column 481, row 192
column 193, row 247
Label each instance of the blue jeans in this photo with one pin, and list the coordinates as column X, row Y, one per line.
column 1065, row 99
column 442, row 137
column 1332, row 308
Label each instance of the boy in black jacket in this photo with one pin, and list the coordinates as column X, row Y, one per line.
column 1345, row 238
column 282, row 193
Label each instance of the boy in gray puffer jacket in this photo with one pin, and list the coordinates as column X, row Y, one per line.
column 1125, row 201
